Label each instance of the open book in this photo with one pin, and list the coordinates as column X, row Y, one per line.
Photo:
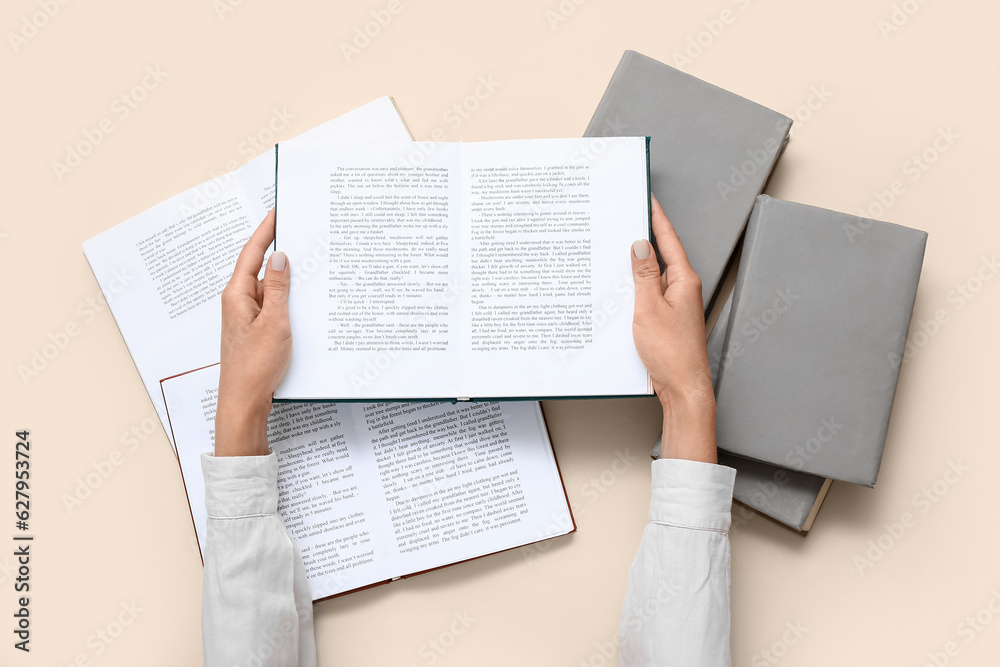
column 163, row 270
column 375, row 491
column 479, row 270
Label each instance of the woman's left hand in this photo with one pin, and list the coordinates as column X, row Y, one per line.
column 256, row 346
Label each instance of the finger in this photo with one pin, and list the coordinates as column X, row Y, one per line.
column 646, row 272
column 252, row 256
column 277, row 278
column 669, row 244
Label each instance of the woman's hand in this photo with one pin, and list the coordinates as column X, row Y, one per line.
column 669, row 332
column 256, row 346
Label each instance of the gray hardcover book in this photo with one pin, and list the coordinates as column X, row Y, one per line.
column 788, row 496
column 711, row 152
column 816, row 332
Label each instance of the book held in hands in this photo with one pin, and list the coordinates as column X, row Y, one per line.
column 464, row 270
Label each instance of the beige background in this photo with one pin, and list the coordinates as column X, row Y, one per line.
column 131, row 540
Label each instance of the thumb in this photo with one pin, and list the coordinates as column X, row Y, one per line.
column 646, row 272
column 276, row 281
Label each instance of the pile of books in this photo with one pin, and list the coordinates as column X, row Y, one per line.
column 807, row 350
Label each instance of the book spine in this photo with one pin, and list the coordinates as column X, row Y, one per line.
column 649, row 200
column 274, row 245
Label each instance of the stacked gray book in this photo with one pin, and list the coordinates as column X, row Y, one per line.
column 710, row 153
column 814, row 339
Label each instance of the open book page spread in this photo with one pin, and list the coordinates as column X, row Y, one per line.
column 373, row 491
column 483, row 270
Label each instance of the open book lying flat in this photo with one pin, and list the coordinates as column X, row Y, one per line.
column 371, row 492
column 485, row 270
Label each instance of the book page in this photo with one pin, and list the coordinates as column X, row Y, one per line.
column 547, row 230
column 378, row 119
column 382, row 320
column 162, row 271
column 369, row 492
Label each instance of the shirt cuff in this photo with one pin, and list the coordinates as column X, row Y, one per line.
column 240, row 486
column 692, row 494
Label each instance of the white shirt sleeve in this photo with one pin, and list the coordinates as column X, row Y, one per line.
column 676, row 609
column 256, row 604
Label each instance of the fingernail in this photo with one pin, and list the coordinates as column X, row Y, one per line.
column 641, row 249
column 277, row 261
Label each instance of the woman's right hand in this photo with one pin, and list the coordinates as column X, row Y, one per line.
column 668, row 328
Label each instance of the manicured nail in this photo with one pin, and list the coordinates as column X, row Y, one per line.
column 277, row 261
column 641, row 249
